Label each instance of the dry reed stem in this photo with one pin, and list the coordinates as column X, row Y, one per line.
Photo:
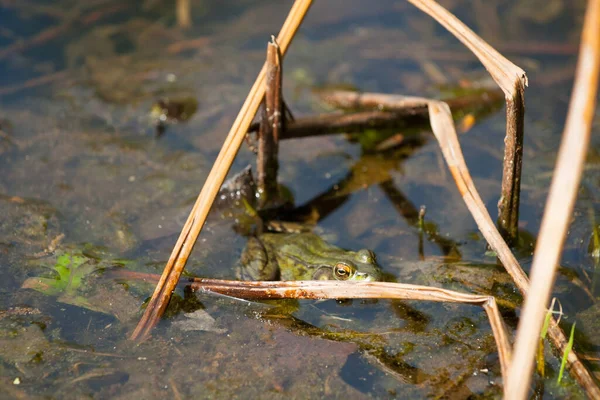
column 388, row 111
column 559, row 206
column 380, row 101
column 183, row 14
column 347, row 290
column 502, row 70
column 267, row 163
column 508, row 204
column 512, row 80
column 445, row 132
column 197, row 217
column 443, row 128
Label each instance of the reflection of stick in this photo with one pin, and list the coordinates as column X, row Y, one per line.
column 57, row 30
column 191, row 229
column 270, row 128
column 34, row 82
column 413, row 216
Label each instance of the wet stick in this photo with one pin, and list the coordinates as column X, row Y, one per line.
column 270, row 129
column 512, row 80
column 193, row 226
column 324, row 289
column 507, row 76
column 400, row 111
column 441, row 123
column 557, row 215
column 182, row 11
column 508, row 205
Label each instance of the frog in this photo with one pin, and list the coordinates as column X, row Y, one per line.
column 304, row 256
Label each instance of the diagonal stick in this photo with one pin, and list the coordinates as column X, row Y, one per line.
column 193, row 226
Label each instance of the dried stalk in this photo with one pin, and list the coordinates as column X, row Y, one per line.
column 182, row 11
column 414, row 105
column 399, row 111
column 508, row 205
column 443, row 128
column 194, row 223
column 347, row 99
column 347, row 290
column 328, row 124
column 270, row 129
column 563, row 192
column 512, row 81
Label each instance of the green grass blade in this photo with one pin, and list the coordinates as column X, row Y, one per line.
column 566, row 354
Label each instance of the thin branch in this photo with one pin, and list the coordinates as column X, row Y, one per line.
column 563, row 192
column 508, row 205
column 347, row 290
column 270, row 129
column 512, row 80
column 183, row 14
column 502, row 70
column 509, row 77
column 390, row 111
column 445, row 133
column 195, row 222
column 443, row 128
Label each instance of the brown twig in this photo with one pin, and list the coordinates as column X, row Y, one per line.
column 392, row 102
column 399, row 111
column 271, row 125
column 561, row 199
column 347, row 99
column 182, row 11
column 195, row 221
column 346, row 290
column 389, row 49
column 443, row 128
column 512, row 81
column 508, row 204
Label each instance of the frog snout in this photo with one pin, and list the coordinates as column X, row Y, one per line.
column 363, row 276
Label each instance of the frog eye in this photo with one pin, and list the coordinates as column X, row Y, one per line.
column 342, row 271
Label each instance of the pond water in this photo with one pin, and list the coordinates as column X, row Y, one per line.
column 87, row 186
